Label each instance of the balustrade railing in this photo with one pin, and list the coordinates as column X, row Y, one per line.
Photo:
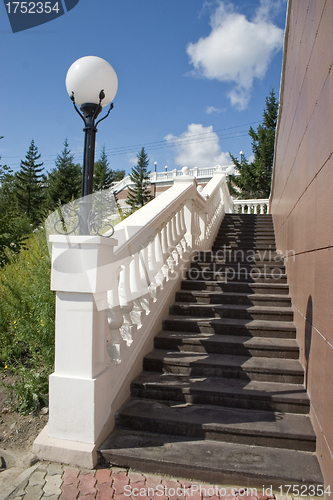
column 251, row 206
column 112, row 294
column 157, row 177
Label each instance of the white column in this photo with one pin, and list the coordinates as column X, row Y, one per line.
column 82, row 273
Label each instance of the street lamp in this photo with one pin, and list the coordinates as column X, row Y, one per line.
column 92, row 84
column 155, row 164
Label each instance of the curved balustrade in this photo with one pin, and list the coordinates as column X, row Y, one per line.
column 112, row 294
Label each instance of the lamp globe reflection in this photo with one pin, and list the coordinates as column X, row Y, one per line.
column 92, row 84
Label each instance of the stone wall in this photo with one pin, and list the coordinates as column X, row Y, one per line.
column 302, row 201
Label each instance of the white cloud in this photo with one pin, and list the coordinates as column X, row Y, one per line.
column 211, row 109
column 198, row 147
column 237, row 50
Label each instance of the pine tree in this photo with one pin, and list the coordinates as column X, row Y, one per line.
column 29, row 186
column 103, row 175
column 64, row 182
column 254, row 179
column 140, row 194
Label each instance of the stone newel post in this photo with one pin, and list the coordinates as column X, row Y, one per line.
column 82, row 272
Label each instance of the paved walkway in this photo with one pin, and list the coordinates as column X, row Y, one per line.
column 52, row 481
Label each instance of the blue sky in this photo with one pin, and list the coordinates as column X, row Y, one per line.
column 193, row 74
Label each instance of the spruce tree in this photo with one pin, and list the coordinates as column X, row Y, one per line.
column 64, row 182
column 254, row 178
column 140, row 194
column 29, row 186
column 103, row 175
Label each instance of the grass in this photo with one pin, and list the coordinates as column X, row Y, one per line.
column 27, row 324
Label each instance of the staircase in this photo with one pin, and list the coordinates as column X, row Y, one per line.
column 221, row 397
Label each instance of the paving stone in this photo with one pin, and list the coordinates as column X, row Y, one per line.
column 33, row 492
column 69, row 492
column 54, row 468
column 104, row 491
column 52, row 485
column 87, row 484
column 119, row 483
column 103, row 476
column 43, row 465
column 37, row 477
column 135, row 477
column 70, row 475
column 51, row 497
column 121, row 496
column 138, row 485
column 118, row 470
column 152, row 481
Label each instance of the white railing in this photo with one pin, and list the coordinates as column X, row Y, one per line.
column 251, row 206
column 159, row 177
column 112, row 294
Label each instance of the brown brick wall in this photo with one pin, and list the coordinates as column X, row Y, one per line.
column 302, row 201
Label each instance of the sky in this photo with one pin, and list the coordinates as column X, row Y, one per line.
column 193, row 76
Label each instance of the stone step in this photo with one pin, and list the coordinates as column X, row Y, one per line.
column 243, row 246
column 239, row 256
column 245, row 267
column 228, row 326
column 254, row 427
column 227, row 344
column 241, row 287
column 211, row 461
column 270, row 313
column 216, row 297
column 231, row 275
column 247, row 235
column 226, row 392
column 225, row 365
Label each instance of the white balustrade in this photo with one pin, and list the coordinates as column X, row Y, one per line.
column 118, row 298
column 251, row 206
column 160, row 177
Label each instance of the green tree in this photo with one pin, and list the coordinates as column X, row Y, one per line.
column 103, row 175
column 140, row 194
column 14, row 226
column 254, row 178
column 30, row 186
column 64, row 182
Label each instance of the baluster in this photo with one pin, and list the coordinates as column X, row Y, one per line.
column 153, row 267
column 147, row 264
column 164, row 244
column 146, row 299
column 137, row 290
column 126, row 303
column 115, row 320
column 183, row 228
column 178, row 232
column 160, row 278
column 243, row 208
column 170, row 260
column 262, row 208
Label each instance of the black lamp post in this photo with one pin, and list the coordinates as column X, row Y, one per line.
column 91, row 83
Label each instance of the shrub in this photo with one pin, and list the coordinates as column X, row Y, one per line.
column 27, row 323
